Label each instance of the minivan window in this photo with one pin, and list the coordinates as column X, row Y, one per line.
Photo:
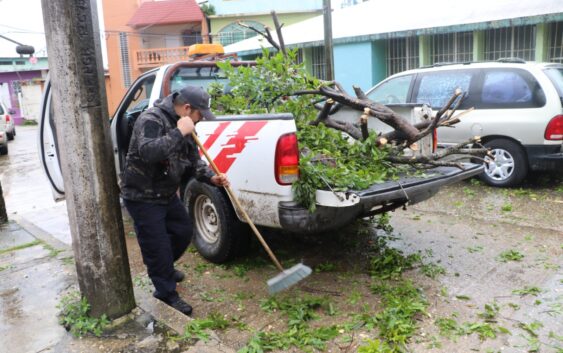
column 556, row 77
column 437, row 88
column 510, row 88
column 393, row 91
column 1, row 109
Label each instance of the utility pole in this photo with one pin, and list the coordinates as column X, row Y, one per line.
column 329, row 62
column 80, row 114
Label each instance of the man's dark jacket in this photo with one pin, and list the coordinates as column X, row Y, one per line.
column 159, row 157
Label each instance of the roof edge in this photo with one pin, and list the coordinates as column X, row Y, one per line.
column 477, row 26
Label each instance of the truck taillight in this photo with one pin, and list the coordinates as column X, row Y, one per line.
column 287, row 159
column 554, row 130
column 7, row 118
column 434, row 140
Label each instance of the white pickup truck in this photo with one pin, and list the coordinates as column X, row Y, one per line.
column 259, row 154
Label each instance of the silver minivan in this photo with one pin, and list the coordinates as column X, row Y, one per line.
column 518, row 111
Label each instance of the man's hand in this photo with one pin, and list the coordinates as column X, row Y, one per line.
column 220, row 180
column 186, row 125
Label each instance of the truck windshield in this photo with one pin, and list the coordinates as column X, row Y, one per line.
column 196, row 76
column 556, row 77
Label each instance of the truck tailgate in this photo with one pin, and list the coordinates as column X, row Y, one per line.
column 414, row 189
column 378, row 198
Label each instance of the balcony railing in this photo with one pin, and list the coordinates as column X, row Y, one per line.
column 149, row 58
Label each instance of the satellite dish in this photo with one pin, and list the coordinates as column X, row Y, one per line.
column 25, row 49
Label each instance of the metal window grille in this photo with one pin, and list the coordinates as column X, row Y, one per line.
column 452, row 47
column 318, row 63
column 124, row 58
column 402, row 54
column 511, row 42
column 233, row 32
column 555, row 48
column 299, row 56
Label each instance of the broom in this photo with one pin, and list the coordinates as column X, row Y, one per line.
column 286, row 278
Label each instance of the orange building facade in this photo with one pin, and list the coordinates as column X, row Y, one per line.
column 143, row 34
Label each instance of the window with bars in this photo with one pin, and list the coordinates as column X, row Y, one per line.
column 124, row 58
column 452, row 47
column 233, row 32
column 402, row 54
column 511, row 42
column 318, row 63
column 555, row 48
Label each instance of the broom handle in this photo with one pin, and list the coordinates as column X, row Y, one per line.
column 239, row 206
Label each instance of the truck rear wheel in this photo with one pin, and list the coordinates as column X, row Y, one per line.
column 218, row 234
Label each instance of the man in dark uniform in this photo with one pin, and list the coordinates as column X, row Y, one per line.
column 161, row 151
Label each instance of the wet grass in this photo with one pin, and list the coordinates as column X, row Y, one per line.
column 20, row 247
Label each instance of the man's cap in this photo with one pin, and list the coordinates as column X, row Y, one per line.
column 199, row 99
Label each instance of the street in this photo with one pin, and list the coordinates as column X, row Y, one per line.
column 487, row 263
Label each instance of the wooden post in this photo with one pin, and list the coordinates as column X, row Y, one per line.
column 87, row 161
column 327, row 15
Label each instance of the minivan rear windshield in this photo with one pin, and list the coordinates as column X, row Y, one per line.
column 556, row 77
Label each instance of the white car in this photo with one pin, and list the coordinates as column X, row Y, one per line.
column 518, row 111
column 8, row 121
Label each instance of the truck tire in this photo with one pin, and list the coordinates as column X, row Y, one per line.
column 218, row 234
column 509, row 166
column 4, row 150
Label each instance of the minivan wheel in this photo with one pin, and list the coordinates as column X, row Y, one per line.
column 4, row 150
column 218, row 234
column 507, row 165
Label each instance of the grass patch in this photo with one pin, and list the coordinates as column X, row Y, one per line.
column 462, row 297
column 402, row 303
column 52, row 251
column 299, row 312
column 432, row 270
column 510, row 255
column 450, row 328
column 74, row 316
column 474, row 249
column 507, row 207
column 20, row 247
column 390, row 263
column 199, row 328
column 325, row 267
column 29, row 122
column 527, row 290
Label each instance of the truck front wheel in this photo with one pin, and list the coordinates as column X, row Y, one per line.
column 218, row 234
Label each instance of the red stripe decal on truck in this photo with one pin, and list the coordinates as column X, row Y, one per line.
column 237, row 143
column 214, row 136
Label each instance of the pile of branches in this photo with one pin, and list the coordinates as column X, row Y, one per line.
column 329, row 160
